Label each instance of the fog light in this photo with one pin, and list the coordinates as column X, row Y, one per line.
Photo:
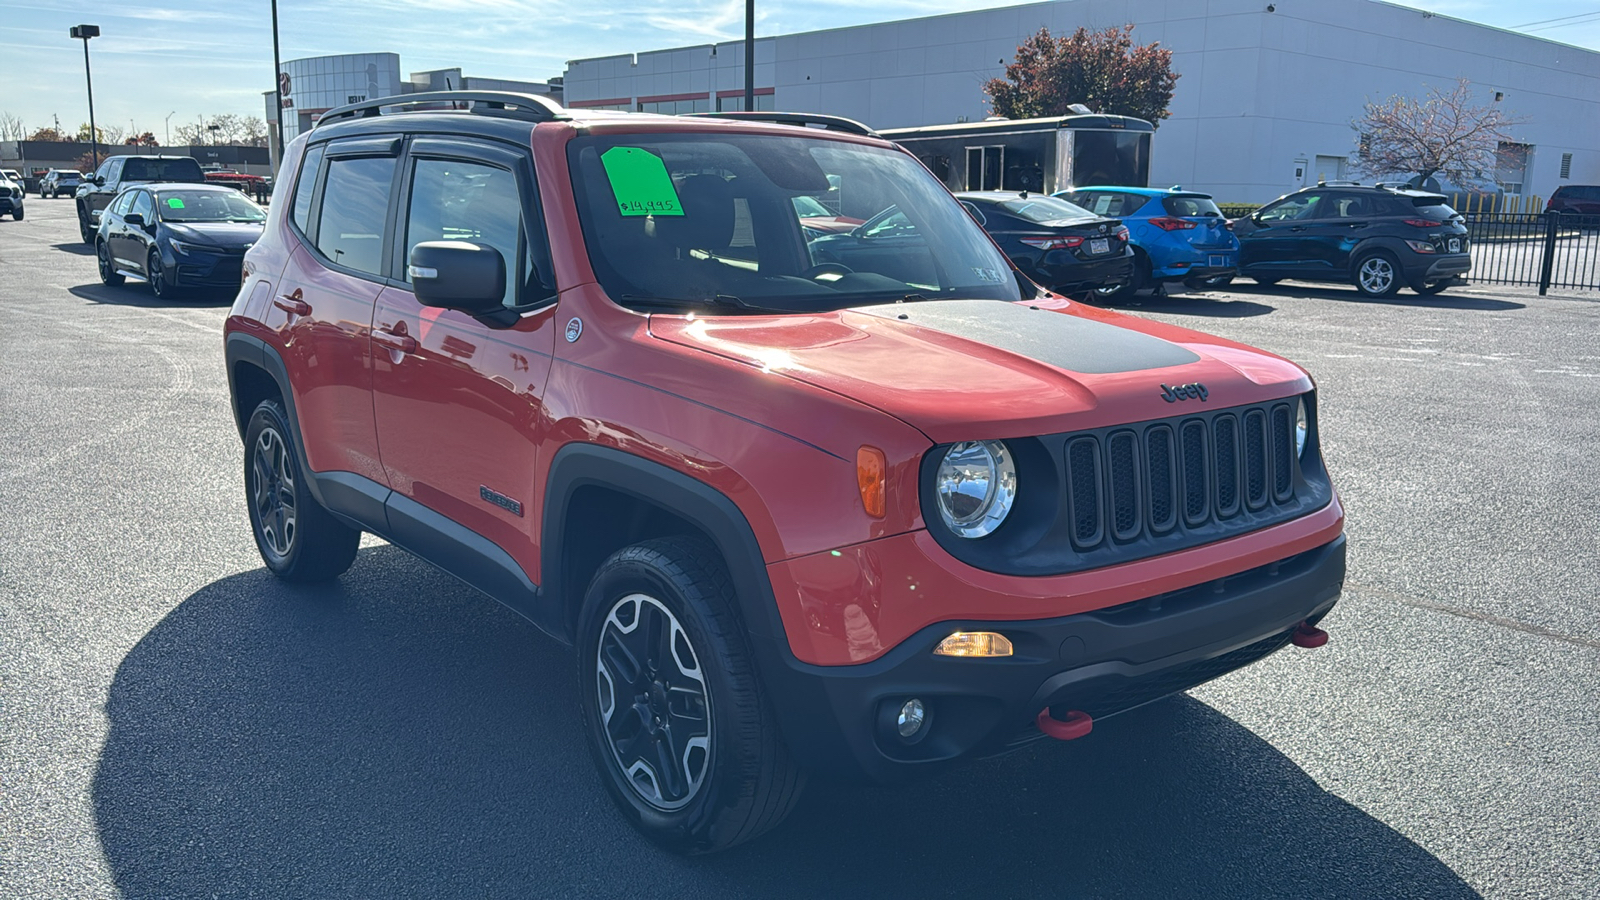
column 911, row 718
column 974, row 643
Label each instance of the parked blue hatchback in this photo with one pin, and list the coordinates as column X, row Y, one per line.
column 1177, row 235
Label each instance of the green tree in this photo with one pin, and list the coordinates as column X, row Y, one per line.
column 1102, row 70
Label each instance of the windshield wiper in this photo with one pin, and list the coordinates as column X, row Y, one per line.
column 717, row 300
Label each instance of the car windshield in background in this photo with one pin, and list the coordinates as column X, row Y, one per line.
column 65, row 175
column 1045, row 209
column 208, row 206
column 149, row 169
column 1190, row 206
column 710, row 221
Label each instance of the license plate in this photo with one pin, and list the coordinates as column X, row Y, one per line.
column 1218, row 261
column 1455, row 245
column 1100, row 245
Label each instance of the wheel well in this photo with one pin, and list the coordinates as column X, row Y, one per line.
column 251, row 385
column 599, row 522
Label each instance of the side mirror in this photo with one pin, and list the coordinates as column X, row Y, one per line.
column 134, row 219
column 99, row 180
column 459, row 275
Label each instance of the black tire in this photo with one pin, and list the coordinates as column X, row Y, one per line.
column 1265, row 281
column 84, row 230
column 1209, row 284
column 745, row 781
column 1377, row 274
column 298, row 539
column 161, row 283
column 108, row 269
column 1430, row 288
column 17, row 214
column 1138, row 280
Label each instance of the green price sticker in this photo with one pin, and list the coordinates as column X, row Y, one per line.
column 175, row 202
column 640, row 182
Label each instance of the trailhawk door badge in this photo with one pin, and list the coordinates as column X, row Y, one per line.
column 501, row 500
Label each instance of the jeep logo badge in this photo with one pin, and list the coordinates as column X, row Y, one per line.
column 574, row 329
column 1193, row 390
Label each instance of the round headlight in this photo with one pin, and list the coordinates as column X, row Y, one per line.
column 1300, row 428
column 976, row 485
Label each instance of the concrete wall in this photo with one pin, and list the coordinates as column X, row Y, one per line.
column 1259, row 90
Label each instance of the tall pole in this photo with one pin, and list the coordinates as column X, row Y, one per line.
column 749, row 55
column 277, row 95
column 94, row 135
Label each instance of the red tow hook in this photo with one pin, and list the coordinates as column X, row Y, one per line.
column 1308, row 636
column 1074, row 726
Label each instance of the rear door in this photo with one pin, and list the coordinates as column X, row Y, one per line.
column 459, row 404
column 1344, row 219
column 326, row 296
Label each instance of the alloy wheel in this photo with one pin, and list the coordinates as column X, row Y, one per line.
column 655, row 709
column 1377, row 275
column 155, row 274
column 272, row 491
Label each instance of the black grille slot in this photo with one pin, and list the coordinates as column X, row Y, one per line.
column 1122, row 456
column 1083, row 477
column 1193, row 435
column 1282, row 452
column 1255, row 458
column 1158, row 454
column 1225, row 438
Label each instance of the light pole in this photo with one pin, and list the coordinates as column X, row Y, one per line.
column 84, row 33
column 169, row 126
column 277, row 83
column 749, row 55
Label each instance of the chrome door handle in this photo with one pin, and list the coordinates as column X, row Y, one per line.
column 404, row 343
column 291, row 303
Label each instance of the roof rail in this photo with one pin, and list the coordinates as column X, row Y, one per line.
column 1337, row 183
column 531, row 107
column 829, row 123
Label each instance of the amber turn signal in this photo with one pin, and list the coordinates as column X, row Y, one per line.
column 870, row 474
column 974, row 643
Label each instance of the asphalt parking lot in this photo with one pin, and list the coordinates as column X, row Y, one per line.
column 175, row 723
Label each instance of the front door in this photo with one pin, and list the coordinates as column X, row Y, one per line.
column 459, row 402
column 1276, row 242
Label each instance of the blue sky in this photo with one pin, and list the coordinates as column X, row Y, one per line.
column 194, row 57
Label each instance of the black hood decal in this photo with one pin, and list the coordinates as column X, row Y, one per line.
column 1064, row 341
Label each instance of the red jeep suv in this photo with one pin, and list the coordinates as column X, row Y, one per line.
column 796, row 516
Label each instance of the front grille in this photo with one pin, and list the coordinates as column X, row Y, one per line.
column 1217, row 468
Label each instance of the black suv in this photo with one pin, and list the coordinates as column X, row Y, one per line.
column 1377, row 238
column 116, row 173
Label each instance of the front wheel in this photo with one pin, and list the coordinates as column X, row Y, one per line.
column 17, row 214
column 161, row 281
column 685, row 741
column 1378, row 275
column 298, row 539
column 84, row 230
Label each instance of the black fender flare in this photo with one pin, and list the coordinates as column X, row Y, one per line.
column 579, row 465
column 238, row 348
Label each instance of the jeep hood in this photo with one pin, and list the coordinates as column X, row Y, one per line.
column 971, row 369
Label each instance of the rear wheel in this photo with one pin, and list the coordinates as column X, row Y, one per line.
column 1377, row 274
column 108, row 268
column 676, row 722
column 298, row 539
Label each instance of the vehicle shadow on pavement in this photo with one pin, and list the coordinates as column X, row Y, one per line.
column 137, row 294
column 395, row 734
column 76, row 247
column 1446, row 300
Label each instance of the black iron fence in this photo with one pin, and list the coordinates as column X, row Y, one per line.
column 1542, row 250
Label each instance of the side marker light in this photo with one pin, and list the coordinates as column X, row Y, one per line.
column 974, row 643
column 871, row 472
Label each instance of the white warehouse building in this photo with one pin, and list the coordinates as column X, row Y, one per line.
column 1264, row 103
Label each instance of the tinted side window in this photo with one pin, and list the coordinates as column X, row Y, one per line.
column 461, row 201
column 150, row 169
column 120, row 205
column 303, row 184
column 355, row 203
column 1296, row 207
column 143, row 206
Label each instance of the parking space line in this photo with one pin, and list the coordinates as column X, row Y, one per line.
column 1487, row 618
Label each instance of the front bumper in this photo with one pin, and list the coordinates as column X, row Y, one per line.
column 9, row 205
column 202, row 269
column 840, row 719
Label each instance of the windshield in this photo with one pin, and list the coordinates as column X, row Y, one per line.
column 1045, row 209
column 153, row 169
column 208, row 206
column 69, row 175
column 698, row 220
